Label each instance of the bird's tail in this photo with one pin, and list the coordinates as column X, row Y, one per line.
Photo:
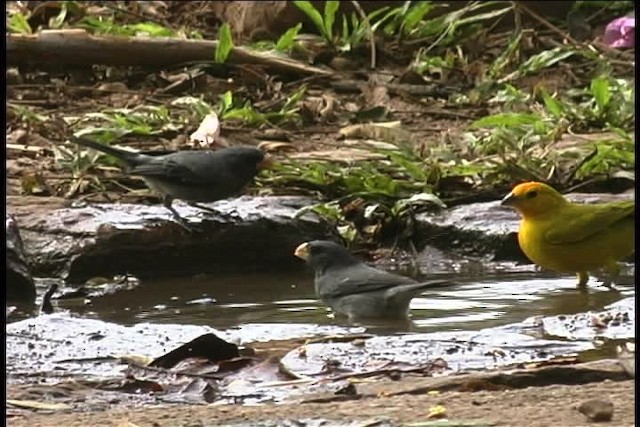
column 406, row 292
column 130, row 158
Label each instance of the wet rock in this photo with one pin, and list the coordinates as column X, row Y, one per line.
column 597, row 410
column 19, row 285
column 61, row 345
column 478, row 229
column 616, row 321
column 486, row 229
column 442, row 352
column 243, row 234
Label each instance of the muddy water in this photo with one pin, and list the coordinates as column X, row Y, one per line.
column 229, row 301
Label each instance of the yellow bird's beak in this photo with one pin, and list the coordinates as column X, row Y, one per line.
column 508, row 200
column 302, row 251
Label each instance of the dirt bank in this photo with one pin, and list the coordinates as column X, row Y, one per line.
column 554, row 405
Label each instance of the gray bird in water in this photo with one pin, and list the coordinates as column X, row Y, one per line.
column 201, row 176
column 353, row 289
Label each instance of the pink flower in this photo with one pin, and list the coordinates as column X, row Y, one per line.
column 620, row 32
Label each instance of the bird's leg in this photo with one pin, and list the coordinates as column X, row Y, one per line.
column 612, row 270
column 167, row 201
column 583, row 278
column 204, row 208
column 212, row 210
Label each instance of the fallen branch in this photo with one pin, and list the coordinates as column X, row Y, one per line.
column 572, row 374
column 77, row 47
column 25, row 150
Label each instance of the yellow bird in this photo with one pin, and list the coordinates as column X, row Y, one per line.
column 559, row 235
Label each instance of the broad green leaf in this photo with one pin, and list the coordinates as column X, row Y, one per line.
column 415, row 15
column 152, row 29
column 226, row 102
column 545, row 59
column 225, row 44
column 506, row 119
column 601, row 91
column 345, row 28
column 554, row 106
column 312, row 13
column 483, row 16
column 285, row 42
column 19, row 24
column 330, row 9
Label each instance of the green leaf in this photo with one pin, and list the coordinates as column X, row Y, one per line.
column 601, row 91
column 151, row 29
column 377, row 23
column 18, row 24
column 545, row 59
column 330, row 9
column 285, row 42
column 57, row 21
column 554, row 106
column 226, row 102
column 225, row 44
column 476, row 17
column 415, row 15
column 312, row 13
column 506, row 119
column 421, row 199
column 345, row 27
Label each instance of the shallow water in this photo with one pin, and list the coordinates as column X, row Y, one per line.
column 229, row 301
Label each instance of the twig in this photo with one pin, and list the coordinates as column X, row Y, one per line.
column 582, row 184
column 577, row 167
column 547, row 24
column 162, row 23
column 165, row 371
column 606, row 49
column 366, row 21
column 46, row 307
column 565, row 34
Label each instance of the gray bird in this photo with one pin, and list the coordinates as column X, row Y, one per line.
column 202, row 176
column 353, row 289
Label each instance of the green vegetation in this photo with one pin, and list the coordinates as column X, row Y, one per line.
column 534, row 105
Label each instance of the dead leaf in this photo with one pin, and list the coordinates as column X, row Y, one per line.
column 328, row 108
column 208, row 131
column 113, row 87
column 388, row 132
column 275, row 146
column 135, row 359
column 437, row 411
column 344, row 155
column 34, row 404
column 207, row 346
column 375, row 95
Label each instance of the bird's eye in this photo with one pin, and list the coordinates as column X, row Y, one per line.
column 532, row 194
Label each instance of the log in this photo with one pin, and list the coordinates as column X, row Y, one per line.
column 77, row 47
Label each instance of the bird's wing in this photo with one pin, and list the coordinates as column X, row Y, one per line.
column 360, row 278
column 584, row 221
column 170, row 168
column 410, row 290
